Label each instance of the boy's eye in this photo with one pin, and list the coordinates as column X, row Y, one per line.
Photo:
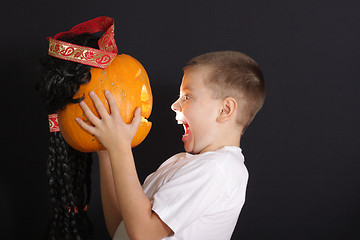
column 186, row 97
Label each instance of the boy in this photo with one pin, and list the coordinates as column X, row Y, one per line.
column 194, row 195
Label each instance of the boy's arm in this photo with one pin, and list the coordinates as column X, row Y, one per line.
column 116, row 136
column 109, row 201
column 140, row 221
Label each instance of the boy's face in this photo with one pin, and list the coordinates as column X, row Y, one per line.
column 197, row 110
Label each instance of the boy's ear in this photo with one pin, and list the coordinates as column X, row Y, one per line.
column 228, row 109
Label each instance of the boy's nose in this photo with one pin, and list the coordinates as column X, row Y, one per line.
column 176, row 106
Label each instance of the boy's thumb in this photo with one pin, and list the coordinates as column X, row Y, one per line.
column 137, row 117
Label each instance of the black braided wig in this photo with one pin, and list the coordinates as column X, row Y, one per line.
column 68, row 170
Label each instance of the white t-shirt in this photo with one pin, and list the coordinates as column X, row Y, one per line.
column 198, row 196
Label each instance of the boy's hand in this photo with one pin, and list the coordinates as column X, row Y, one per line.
column 110, row 129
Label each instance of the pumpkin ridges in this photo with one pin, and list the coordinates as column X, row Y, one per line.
column 121, row 78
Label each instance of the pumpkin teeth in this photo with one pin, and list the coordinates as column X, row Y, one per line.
column 143, row 119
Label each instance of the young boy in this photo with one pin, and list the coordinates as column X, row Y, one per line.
column 194, row 195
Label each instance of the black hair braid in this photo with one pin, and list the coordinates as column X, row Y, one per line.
column 68, row 170
column 81, row 194
column 68, row 196
column 57, row 154
column 53, row 183
column 88, row 179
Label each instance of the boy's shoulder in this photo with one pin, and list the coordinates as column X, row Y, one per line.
column 223, row 169
column 225, row 166
column 225, row 154
column 228, row 158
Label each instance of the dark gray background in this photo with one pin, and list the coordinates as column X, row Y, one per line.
column 302, row 150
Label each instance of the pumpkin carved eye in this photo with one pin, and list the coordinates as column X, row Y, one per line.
column 128, row 82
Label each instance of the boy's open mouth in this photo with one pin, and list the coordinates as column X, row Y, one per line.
column 186, row 127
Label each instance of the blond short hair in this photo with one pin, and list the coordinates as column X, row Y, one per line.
column 234, row 74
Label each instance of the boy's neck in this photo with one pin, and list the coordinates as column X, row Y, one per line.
column 224, row 140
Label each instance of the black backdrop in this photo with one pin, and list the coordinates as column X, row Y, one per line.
column 302, row 150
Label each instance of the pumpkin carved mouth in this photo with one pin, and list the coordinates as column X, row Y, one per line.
column 128, row 82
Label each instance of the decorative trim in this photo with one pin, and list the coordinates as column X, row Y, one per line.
column 53, row 123
column 80, row 54
column 86, row 55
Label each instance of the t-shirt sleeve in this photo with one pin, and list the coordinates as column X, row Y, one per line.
column 190, row 192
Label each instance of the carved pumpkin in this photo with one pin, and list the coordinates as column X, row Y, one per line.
column 128, row 82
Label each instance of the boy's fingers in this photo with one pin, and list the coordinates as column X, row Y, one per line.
column 112, row 102
column 137, row 117
column 99, row 105
column 89, row 114
column 85, row 126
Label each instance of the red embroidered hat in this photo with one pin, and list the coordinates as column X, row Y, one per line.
column 86, row 55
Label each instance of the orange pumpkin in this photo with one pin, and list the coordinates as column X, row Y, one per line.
column 128, row 82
